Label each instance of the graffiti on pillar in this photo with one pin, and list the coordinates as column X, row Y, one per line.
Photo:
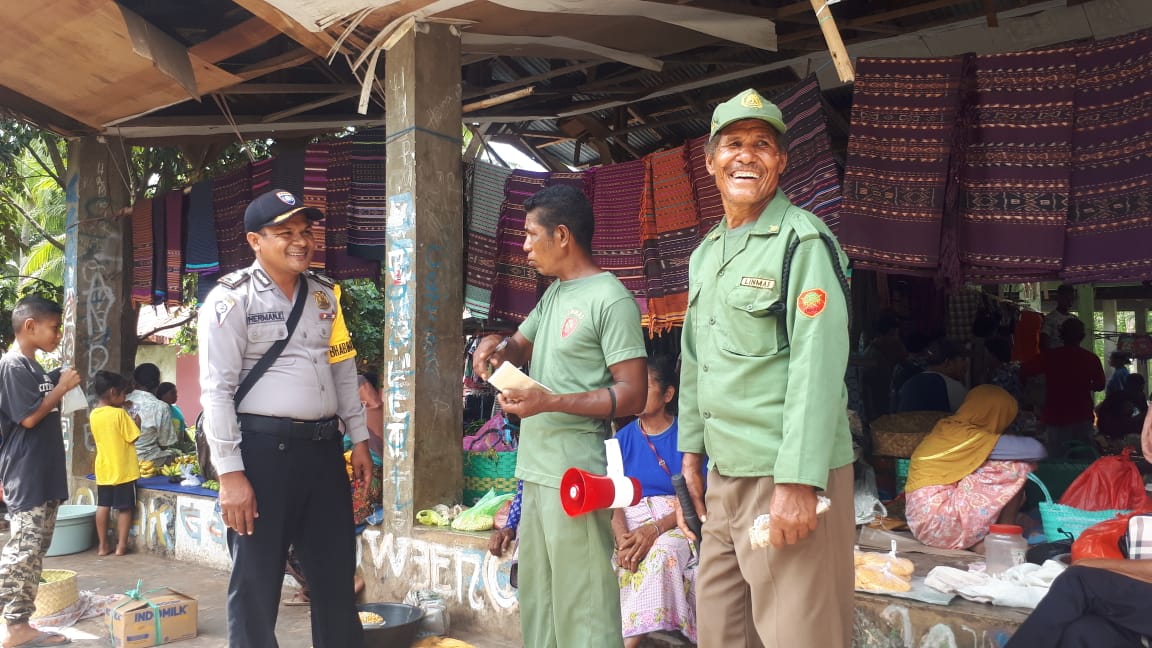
column 155, row 523
column 200, row 532
column 894, row 627
column 468, row 576
column 398, row 367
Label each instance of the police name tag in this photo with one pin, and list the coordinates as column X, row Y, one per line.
column 758, row 282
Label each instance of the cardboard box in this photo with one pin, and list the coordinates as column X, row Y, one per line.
column 160, row 616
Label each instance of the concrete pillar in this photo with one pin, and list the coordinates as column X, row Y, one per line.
column 99, row 321
column 423, row 333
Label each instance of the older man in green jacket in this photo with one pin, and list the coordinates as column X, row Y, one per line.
column 765, row 348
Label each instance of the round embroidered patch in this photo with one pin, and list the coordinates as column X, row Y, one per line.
column 812, row 302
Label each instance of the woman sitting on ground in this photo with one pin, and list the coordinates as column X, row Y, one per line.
column 657, row 586
column 967, row 475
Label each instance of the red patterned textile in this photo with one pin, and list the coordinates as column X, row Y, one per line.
column 315, row 194
column 1110, row 222
column 341, row 265
column 669, row 231
column 617, row 190
column 1018, row 170
column 142, row 251
column 174, row 246
column 812, row 178
column 904, row 128
column 231, row 194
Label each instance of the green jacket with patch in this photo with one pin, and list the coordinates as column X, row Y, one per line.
column 762, row 373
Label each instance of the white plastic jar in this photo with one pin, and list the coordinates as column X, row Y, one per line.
column 1004, row 548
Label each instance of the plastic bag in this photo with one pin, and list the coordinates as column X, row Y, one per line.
column 1101, row 540
column 879, row 572
column 435, row 622
column 481, row 517
column 1111, row 482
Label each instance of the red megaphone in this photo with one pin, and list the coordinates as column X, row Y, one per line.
column 582, row 492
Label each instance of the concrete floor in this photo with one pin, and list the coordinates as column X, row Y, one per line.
column 111, row 575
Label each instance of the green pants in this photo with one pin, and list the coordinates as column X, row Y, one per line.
column 569, row 594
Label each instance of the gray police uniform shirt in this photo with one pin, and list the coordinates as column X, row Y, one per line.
column 240, row 320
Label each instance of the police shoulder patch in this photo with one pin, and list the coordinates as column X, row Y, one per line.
column 234, row 279
column 322, row 279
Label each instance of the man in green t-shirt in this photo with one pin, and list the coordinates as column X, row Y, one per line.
column 764, row 351
column 586, row 345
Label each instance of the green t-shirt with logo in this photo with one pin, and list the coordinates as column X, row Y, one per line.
column 579, row 329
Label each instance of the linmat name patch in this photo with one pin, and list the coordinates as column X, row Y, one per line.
column 758, row 282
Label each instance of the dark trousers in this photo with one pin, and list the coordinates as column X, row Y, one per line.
column 1088, row 608
column 304, row 499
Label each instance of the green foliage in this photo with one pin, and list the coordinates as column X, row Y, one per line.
column 363, row 304
column 185, row 337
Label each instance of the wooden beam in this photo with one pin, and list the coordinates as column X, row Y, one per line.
column 990, row 12
column 21, row 107
column 523, row 81
column 498, row 100
column 644, row 95
column 491, row 42
column 284, row 61
column 840, row 56
column 884, row 16
column 319, row 43
column 748, row 30
column 238, row 39
column 289, row 88
column 311, row 105
column 153, row 128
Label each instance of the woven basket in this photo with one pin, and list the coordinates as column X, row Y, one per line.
column 57, row 592
column 1061, row 520
column 897, row 435
column 488, row 470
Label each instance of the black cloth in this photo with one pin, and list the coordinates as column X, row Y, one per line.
column 118, row 496
column 201, row 254
column 1088, row 608
column 304, row 499
column 32, row 465
column 924, row 392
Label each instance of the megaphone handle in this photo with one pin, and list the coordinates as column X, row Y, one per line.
column 687, row 507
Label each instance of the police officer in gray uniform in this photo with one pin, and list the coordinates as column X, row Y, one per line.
column 278, row 448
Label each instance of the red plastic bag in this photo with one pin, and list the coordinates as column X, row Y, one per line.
column 1111, row 482
column 1101, row 540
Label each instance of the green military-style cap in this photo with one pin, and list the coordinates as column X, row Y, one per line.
column 746, row 105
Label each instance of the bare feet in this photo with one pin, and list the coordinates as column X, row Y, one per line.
column 120, row 551
column 103, row 551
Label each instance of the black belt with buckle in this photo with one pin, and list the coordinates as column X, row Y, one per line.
column 322, row 430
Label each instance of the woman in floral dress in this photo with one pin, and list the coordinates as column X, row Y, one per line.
column 654, row 560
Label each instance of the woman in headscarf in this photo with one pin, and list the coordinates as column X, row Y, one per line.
column 967, row 475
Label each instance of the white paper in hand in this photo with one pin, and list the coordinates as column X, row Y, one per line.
column 74, row 400
column 508, row 376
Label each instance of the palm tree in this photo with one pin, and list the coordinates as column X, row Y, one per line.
column 41, row 202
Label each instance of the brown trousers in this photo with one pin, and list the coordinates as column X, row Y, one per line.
column 799, row 596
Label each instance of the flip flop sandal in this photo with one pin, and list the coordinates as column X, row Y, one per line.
column 44, row 640
column 297, row 600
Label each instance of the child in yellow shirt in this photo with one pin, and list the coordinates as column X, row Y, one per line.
column 116, row 466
